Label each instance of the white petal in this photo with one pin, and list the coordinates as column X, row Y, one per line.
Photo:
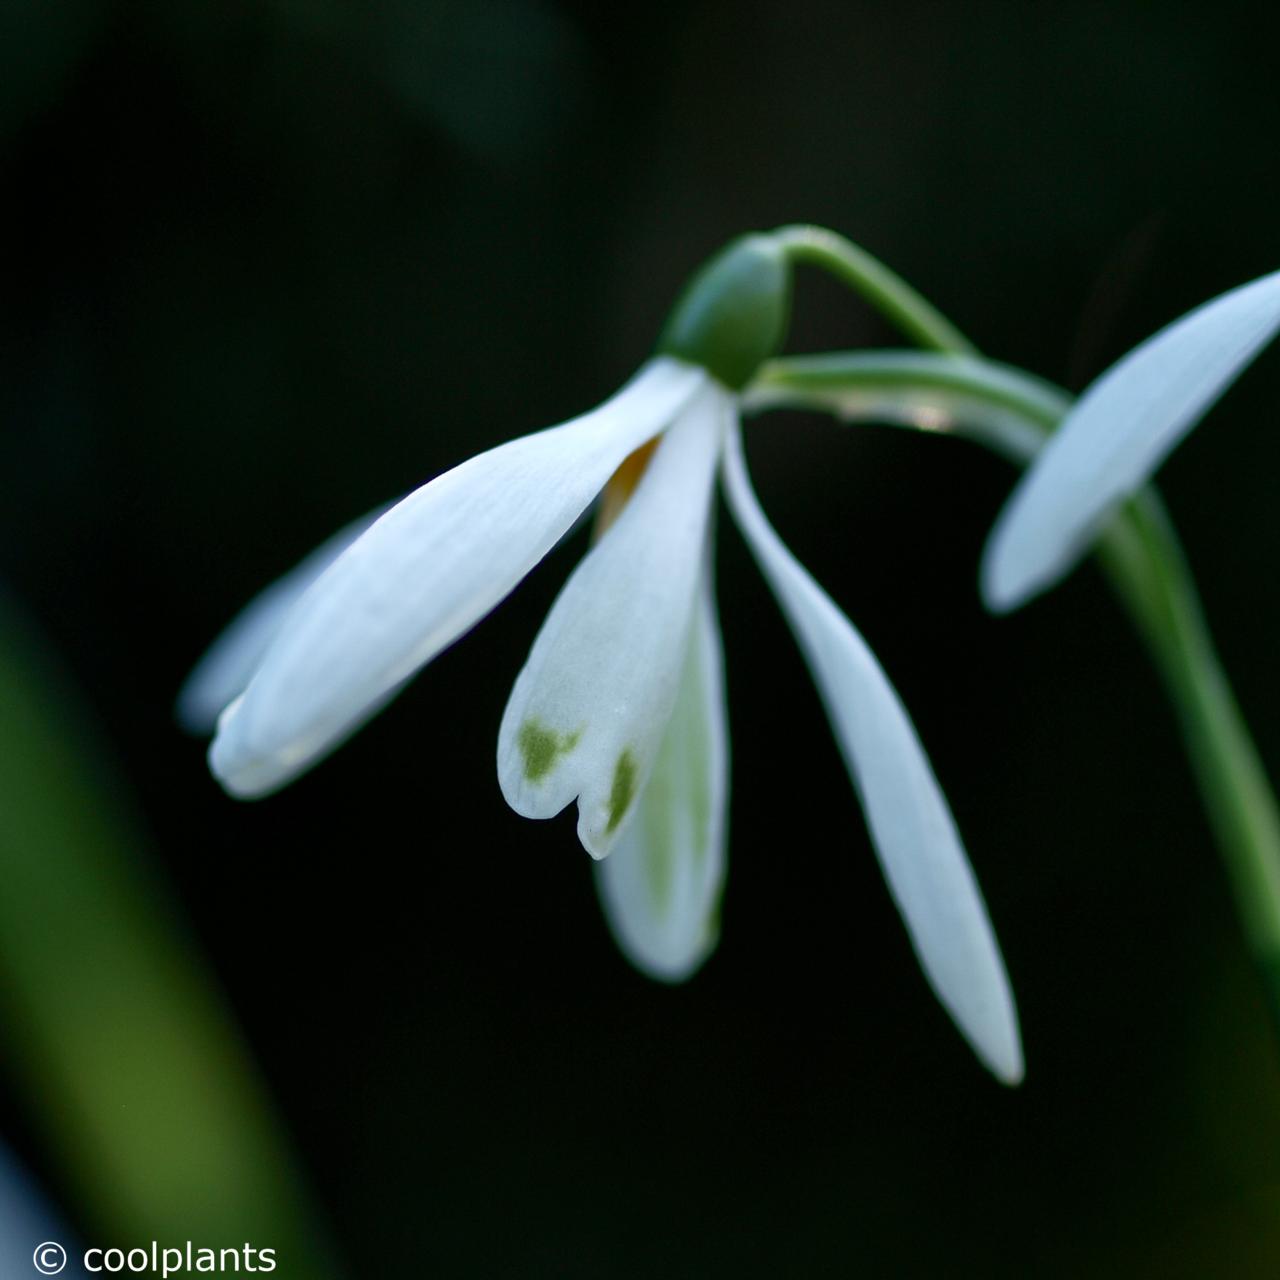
column 424, row 574
column 230, row 661
column 661, row 885
column 587, row 714
column 911, row 826
column 1119, row 432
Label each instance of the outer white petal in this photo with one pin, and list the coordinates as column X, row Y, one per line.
column 661, row 885
column 1119, row 432
column 424, row 574
column 911, row 826
column 588, row 711
column 230, row 661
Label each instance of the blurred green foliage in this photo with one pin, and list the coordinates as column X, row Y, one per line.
column 269, row 264
column 112, row 1027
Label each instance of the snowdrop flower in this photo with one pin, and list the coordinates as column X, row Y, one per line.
column 1120, row 430
column 620, row 705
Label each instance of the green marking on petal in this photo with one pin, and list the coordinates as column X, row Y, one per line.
column 542, row 748
column 623, row 791
column 660, row 865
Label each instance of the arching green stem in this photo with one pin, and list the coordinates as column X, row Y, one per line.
column 886, row 291
column 1012, row 413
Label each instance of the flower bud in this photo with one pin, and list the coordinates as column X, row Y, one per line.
column 733, row 315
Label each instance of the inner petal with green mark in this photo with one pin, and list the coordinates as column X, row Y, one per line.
column 591, row 704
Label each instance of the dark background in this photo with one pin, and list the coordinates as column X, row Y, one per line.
column 266, row 265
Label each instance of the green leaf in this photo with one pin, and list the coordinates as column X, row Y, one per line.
column 111, row 1023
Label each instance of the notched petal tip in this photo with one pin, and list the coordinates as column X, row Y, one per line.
column 530, row 760
column 600, row 825
column 534, row 789
column 597, row 842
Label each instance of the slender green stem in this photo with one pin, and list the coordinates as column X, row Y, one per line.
column 886, row 291
column 1145, row 564
column 1013, row 413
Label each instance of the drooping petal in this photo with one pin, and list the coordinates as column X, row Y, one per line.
column 661, row 885
column 588, row 711
column 911, row 826
column 1119, row 432
column 224, row 671
column 425, row 573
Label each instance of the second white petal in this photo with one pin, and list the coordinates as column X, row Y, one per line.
column 589, row 709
